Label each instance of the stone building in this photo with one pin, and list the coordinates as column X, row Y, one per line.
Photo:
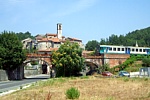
column 49, row 42
column 52, row 41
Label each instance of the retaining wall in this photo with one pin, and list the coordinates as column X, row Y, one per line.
column 3, row 75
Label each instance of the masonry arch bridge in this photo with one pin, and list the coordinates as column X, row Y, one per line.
column 92, row 63
column 44, row 63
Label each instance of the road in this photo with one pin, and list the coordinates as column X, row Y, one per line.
column 10, row 85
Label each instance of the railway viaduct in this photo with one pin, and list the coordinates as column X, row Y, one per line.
column 111, row 59
column 92, row 61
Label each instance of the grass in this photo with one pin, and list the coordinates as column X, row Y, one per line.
column 90, row 88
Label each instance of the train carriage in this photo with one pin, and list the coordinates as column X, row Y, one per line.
column 123, row 50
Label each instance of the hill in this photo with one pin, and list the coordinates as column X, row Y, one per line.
column 142, row 37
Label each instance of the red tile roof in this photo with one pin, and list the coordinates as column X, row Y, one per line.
column 51, row 34
column 55, row 40
column 74, row 39
column 43, row 40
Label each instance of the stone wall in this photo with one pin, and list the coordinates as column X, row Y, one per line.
column 32, row 72
column 98, row 60
column 3, row 75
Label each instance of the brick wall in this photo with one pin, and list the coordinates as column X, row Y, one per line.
column 115, row 59
column 111, row 59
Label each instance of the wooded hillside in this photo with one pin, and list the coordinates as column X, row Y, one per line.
column 142, row 37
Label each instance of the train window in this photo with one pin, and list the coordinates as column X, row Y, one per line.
column 140, row 50
column 143, row 50
column 114, row 49
column 110, row 49
column 136, row 50
column 122, row 49
column 132, row 49
column 118, row 49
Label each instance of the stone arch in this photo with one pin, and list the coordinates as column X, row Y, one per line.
column 44, row 69
column 91, row 67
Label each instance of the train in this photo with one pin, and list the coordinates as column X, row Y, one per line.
column 113, row 49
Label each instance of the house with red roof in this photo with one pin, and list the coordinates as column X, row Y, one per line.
column 52, row 41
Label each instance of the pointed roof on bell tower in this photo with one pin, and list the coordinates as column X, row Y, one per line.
column 136, row 44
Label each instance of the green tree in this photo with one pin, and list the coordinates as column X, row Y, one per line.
column 11, row 52
column 68, row 59
column 25, row 35
column 113, row 39
column 91, row 45
column 1, row 53
column 146, row 62
column 102, row 42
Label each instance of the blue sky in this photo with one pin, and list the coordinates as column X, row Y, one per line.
column 83, row 19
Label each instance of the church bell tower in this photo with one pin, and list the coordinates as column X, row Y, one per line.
column 59, row 30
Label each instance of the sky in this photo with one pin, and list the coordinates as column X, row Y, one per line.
column 86, row 20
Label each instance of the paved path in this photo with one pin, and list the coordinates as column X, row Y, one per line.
column 10, row 85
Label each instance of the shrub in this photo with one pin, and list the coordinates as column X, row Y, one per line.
column 146, row 62
column 72, row 93
column 146, row 79
column 126, row 79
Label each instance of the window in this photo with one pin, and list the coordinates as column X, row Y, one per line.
column 110, row 49
column 136, row 50
column 132, row 49
column 114, row 49
column 143, row 50
column 118, row 49
column 140, row 50
column 122, row 49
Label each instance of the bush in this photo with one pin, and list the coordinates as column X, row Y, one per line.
column 126, row 79
column 72, row 93
column 146, row 62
